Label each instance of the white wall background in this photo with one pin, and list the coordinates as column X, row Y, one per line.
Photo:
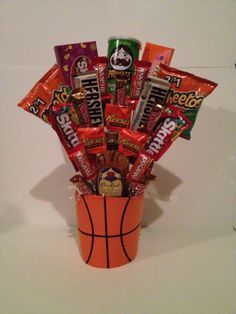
column 196, row 179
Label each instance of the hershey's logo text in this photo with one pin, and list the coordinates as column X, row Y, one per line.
column 93, row 100
column 156, row 96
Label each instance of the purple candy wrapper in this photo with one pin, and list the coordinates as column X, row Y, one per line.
column 74, row 59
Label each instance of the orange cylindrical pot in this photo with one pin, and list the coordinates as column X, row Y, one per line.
column 108, row 229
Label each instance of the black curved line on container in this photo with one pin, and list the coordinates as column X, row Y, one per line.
column 106, row 231
column 91, row 222
column 109, row 236
column 121, row 229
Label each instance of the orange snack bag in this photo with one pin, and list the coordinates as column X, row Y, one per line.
column 156, row 55
column 49, row 90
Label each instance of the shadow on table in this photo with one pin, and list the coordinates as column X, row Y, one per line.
column 166, row 240
column 215, row 148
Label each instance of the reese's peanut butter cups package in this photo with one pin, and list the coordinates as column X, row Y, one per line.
column 93, row 139
column 117, row 117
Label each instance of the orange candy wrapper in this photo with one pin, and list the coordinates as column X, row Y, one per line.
column 117, row 117
column 93, row 139
column 157, row 54
column 131, row 142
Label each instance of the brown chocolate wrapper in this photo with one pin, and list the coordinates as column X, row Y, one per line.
column 82, row 185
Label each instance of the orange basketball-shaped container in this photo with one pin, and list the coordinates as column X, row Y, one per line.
column 108, row 229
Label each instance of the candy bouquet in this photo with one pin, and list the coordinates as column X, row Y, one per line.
column 115, row 115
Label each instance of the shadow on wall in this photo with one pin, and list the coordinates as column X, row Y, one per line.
column 161, row 190
column 214, row 137
column 55, row 188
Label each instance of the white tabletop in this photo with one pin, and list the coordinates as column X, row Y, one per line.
column 176, row 271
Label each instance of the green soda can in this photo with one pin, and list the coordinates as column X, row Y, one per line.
column 122, row 51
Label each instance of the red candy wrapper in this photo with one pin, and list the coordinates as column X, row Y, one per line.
column 131, row 142
column 120, row 90
column 140, row 168
column 74, row 59
column 82, row 185
column 117, row 118
column 153, row 118
column 157, row 54
column 100, row 64
column 187, row 92
column 136, row 188
column 171, row 124
column 93, row 139
column 65, row 122
column 81, row 162
column 48, row 91
column 141, row 69
column 131, row 103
